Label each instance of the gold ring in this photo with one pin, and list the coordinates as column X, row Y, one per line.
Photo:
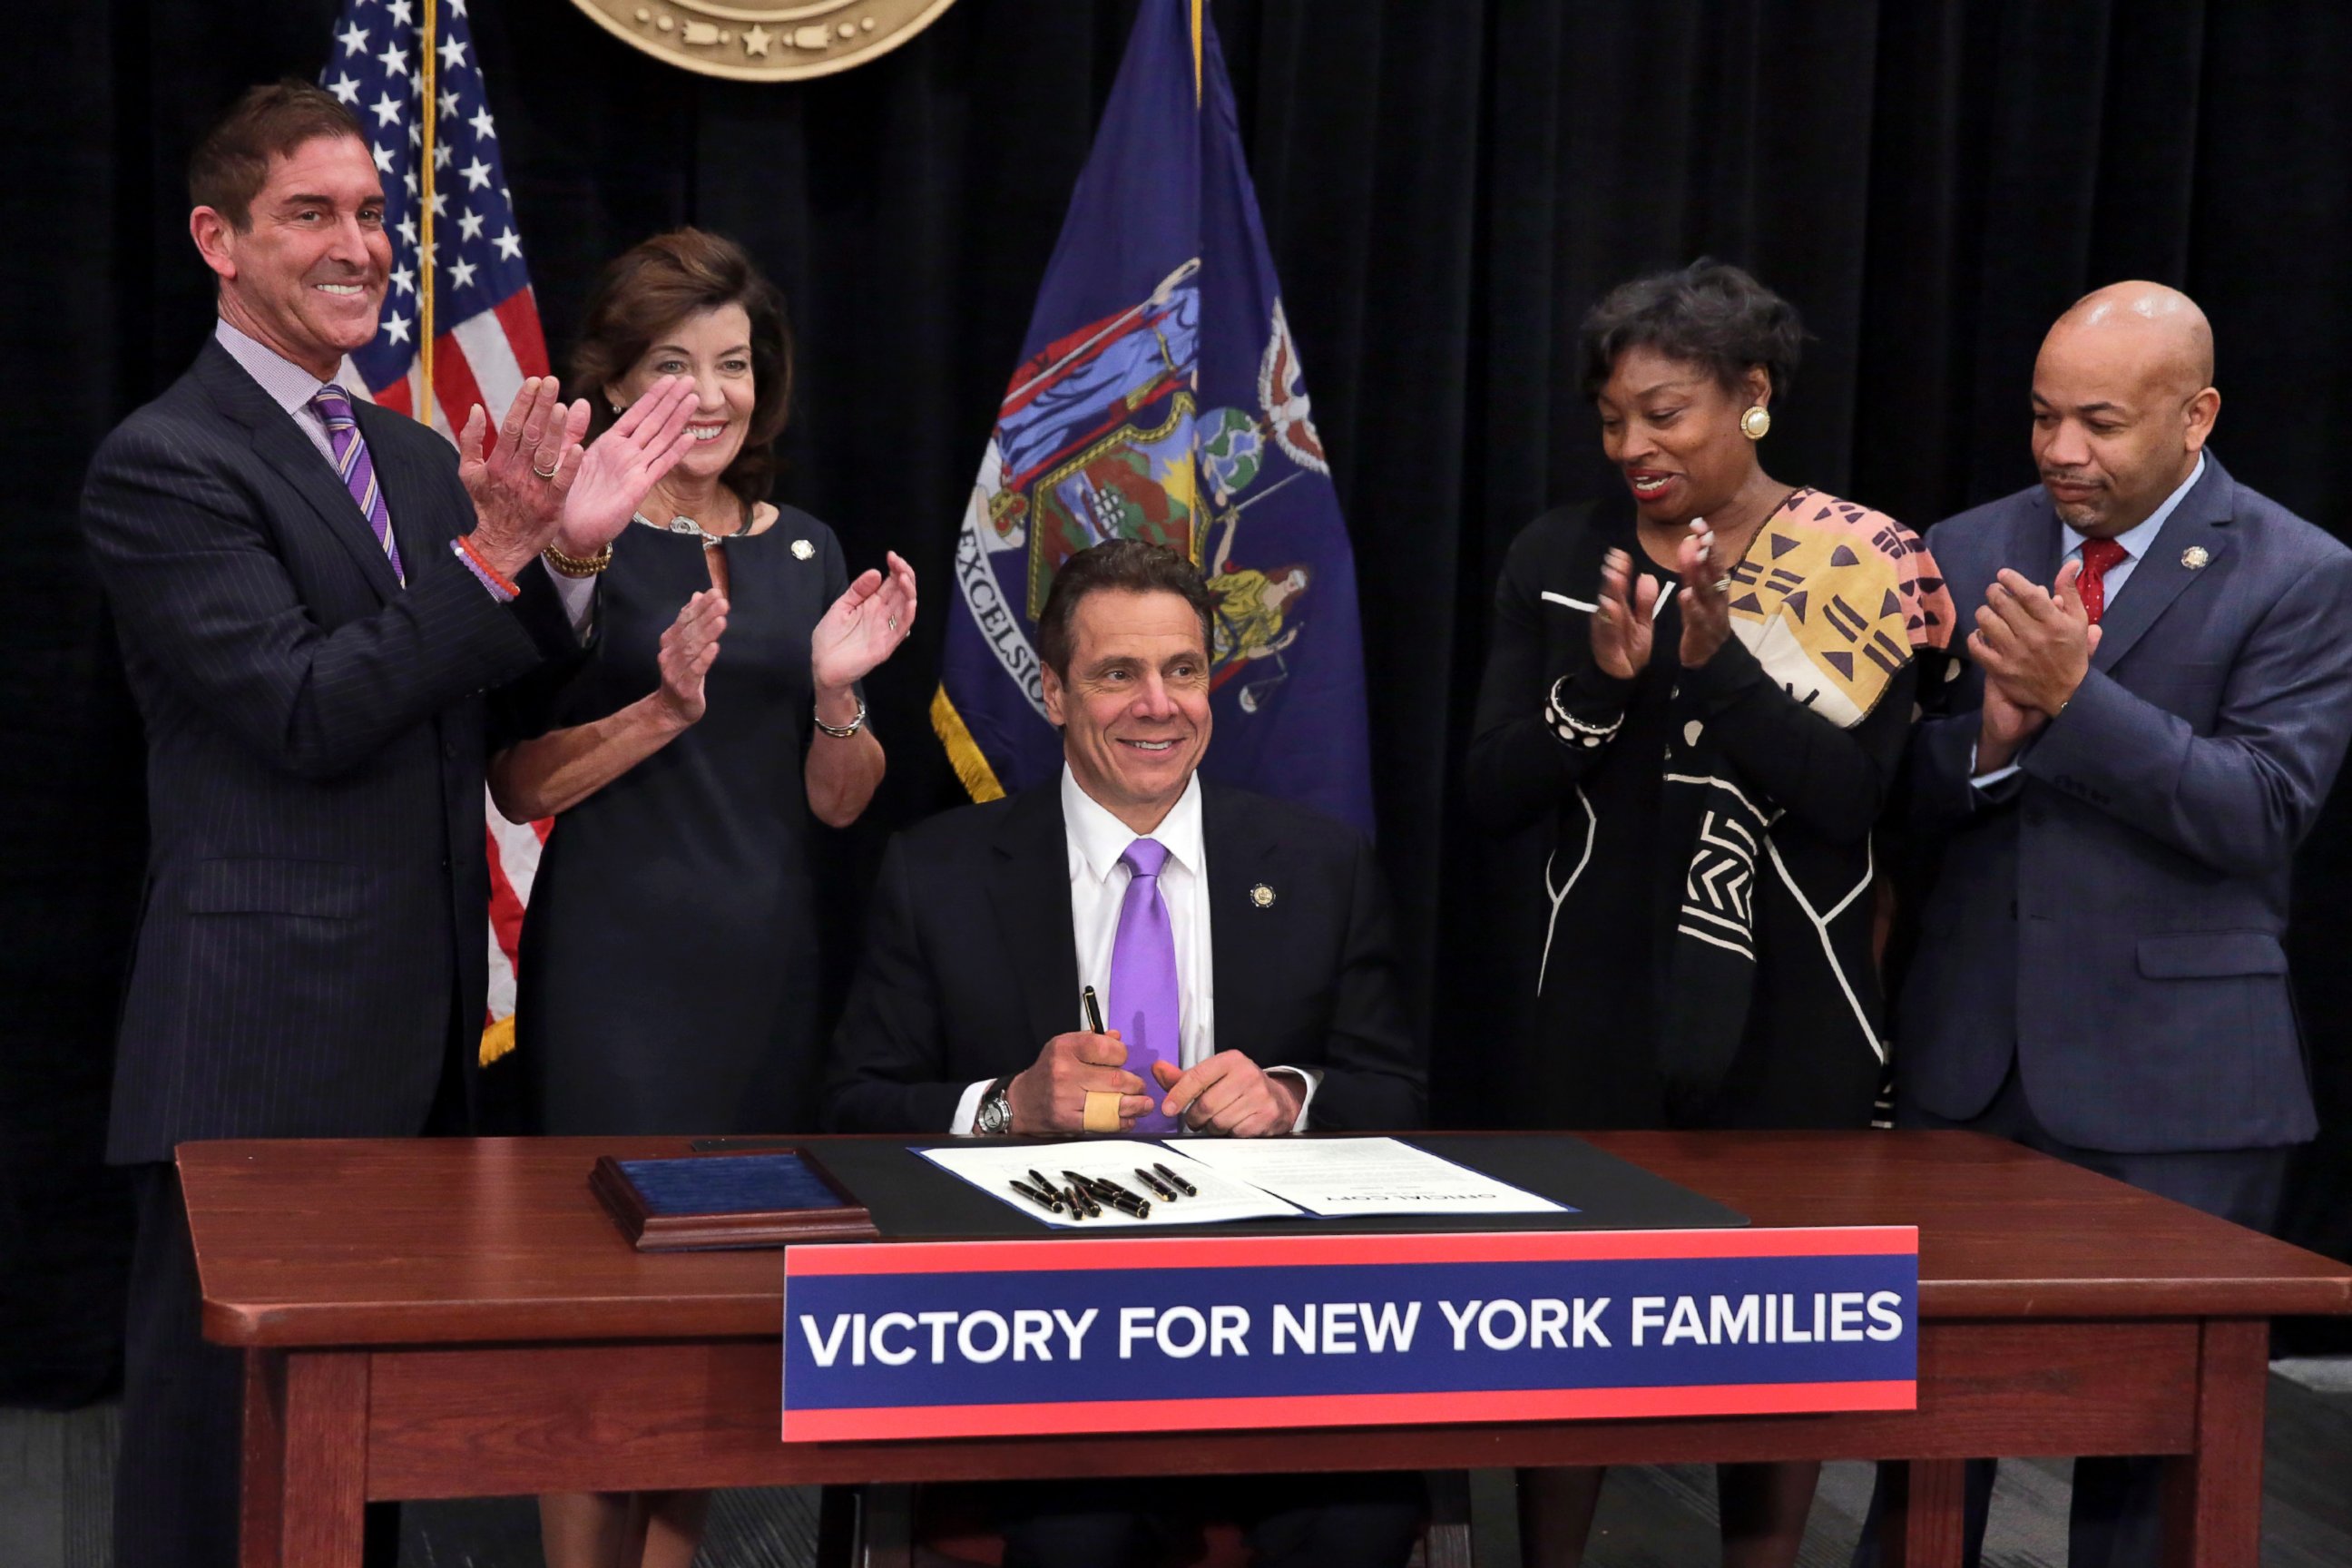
column 1102, row 1110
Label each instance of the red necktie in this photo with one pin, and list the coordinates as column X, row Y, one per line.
column 2098, row 555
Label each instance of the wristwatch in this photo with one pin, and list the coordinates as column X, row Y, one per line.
column 995, row 1117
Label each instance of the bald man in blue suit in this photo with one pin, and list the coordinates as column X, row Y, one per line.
column 2114, row 792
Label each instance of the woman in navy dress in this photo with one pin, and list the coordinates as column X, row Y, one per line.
column 715, row 713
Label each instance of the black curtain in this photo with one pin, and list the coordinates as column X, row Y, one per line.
column 1446, row 187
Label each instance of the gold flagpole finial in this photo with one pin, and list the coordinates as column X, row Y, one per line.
column 428, row 78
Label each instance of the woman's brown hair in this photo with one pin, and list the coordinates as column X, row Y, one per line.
column 652, row 287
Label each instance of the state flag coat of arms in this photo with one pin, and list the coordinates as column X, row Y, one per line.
column 1159, row 397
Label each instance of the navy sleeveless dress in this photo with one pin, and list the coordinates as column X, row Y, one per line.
column 667, row 981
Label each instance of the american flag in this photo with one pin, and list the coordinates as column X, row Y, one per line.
column 485, row 334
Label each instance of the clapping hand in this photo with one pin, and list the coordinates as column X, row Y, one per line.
column 2035, row 644
column 519, row 488
column 624, row 464
column 1622, row 626
column 687, row 650
column 1706, row 597
column 863, row 626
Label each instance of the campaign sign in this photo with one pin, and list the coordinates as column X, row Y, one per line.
column 1168, row 1333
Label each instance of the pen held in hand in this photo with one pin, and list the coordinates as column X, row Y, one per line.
column 1094, row 1010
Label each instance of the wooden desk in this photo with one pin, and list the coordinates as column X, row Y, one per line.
column 435, row 1319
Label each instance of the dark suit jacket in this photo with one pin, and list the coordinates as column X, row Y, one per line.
column 314, row 928
column 971, row 964
column 2114, row 916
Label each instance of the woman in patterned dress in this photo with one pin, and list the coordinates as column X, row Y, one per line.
column 1704, row 686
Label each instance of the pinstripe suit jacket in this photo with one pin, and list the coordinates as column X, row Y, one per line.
column 312, row 929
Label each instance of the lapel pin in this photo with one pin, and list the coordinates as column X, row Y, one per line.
column 803, row 549
column 2195, row 557
column 1262, row 896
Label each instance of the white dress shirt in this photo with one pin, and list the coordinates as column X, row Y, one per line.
column 289, row 386
column 1098, row 882
column 2136, row 541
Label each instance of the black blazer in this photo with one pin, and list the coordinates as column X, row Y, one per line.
column 971, row 964
column 314, row 928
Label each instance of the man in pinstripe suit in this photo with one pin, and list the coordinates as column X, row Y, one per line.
column 311, row 597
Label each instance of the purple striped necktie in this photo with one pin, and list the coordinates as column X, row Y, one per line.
column 1146, row 1005
column 358, row 470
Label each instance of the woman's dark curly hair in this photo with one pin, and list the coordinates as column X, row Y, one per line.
column 1710, row 313
column 652, row 287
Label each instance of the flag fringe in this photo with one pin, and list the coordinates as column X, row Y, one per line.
column 964, row 754
column 498, row 1039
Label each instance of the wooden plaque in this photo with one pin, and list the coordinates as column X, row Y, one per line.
column 696, row 1202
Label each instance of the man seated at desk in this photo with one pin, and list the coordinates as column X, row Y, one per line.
column 1165, row 895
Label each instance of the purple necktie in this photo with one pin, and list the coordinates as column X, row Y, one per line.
column 1145, row 1004
column 358, row 470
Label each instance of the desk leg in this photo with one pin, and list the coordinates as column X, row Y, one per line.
column 1921, row 1518
column 305, row 1461
column 2214, row 1494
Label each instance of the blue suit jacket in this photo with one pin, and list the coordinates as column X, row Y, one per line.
column 313, row 929
column 2113, row 918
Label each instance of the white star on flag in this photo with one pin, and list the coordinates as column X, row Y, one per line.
column 453, row 54
column 354, row 39
column 477, row 175
column 469, row 225
column 345, row 88
column 387, row 109
column 484, row 127
column 382, row 159
column 461, row 275
column 397, row 326
column 510, row 246
column 404, row 279
column 395, row 59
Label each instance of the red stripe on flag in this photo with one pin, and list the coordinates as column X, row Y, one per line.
column 454, row 388
column 518, row 313
column 396, row 397
column 506, row 904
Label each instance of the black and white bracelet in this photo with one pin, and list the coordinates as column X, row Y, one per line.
column 1572, row 730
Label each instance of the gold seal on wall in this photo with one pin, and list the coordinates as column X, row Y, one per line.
column 777, row 41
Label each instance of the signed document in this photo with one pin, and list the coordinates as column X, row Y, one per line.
column 1362, row 1176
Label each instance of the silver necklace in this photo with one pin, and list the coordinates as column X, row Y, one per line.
column 684, row 524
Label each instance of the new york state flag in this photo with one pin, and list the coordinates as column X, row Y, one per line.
column 1159, row 397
